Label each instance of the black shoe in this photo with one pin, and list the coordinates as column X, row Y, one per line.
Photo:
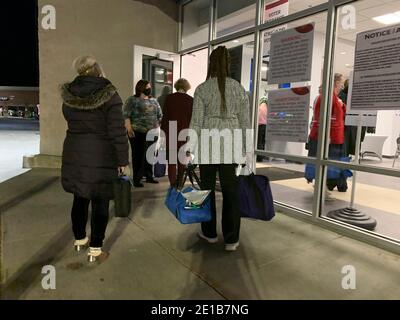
column 138, row 185
column 151, row 180
column 330, row 187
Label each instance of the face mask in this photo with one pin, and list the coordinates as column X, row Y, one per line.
column 147, row 92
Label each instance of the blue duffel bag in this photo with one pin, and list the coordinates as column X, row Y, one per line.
column 179, row 207
column 333, row 172
column 176, row 203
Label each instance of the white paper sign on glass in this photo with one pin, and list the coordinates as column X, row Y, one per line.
column 291, row 55
column 274, row 11
column 288, row 112
column 369, row 117
column 376, row 81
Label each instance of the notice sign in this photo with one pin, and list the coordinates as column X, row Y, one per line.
column 376, row 82
column 369, row 117
column 273, row 11
column 288, row 112
column 291, row 55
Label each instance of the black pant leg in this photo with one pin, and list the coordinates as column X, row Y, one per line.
column 138, row 155
column 261, row 140
column 148, row 166
column 99, row 221
column 230, row 205
column 79, row 217
column 336, row 151
column 208, row 176
column 261, row 136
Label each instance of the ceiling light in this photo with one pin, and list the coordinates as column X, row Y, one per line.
column 343, row 52
column 235, row 41
column 264, row 68
column 390, row 18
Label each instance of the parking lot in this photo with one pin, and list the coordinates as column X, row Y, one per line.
column 18, row 137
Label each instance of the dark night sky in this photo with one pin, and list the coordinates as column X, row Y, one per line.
column 19, row 62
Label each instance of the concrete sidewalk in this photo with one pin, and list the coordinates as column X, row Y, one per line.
column 154, row 257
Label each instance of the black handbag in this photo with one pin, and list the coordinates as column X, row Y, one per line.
column 255, row 197
column 122, row 196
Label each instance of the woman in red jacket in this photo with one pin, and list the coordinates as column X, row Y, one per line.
column 336, row 146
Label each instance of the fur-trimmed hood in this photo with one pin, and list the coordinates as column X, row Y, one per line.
column 87, row 92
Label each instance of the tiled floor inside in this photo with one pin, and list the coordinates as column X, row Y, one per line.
column 376, row 195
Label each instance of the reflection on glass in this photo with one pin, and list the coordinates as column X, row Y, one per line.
column 375, row 200
column 195, row 27
column 233, row 16
column 290, row 101
column 194, row 68
column 241, row 53
column 380, row 129
column 275, row 9
column 288, row 184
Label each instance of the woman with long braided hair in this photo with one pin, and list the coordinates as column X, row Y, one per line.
column 221, row 106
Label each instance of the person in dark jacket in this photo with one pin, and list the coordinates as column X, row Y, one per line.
column 166, row 91
column 178, row 108
column 95, row 151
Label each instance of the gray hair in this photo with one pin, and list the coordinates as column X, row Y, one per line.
column 88, row 66
column 338, row 77
column 182, row 84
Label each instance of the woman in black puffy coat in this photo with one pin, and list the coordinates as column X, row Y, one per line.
column 95, row 150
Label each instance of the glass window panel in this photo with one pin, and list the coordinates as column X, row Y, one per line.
column 233, row 16
column 288, row 184
column 196, row 19
column 288, row 178
column 275, row 9
column 269, row 115
column 241, row 52
column 376, row 202
column 375, row 196
column 194, row 68
column 380, row 129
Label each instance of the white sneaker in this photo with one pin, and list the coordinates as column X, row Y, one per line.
column 231, row 246
column 209, row 240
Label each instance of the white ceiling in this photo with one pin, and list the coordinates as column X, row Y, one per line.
column 344, row 50
column 365, row 11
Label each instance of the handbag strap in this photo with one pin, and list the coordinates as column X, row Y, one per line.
column 126, row 178
column 188, row 173
column 241, row 166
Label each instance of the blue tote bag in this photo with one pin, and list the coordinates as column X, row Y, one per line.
column 185, row 212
